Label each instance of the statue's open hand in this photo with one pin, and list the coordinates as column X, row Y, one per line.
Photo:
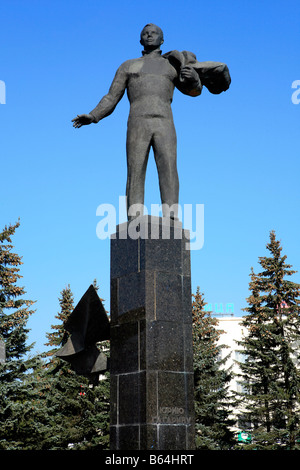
column 82, row 120
column 188, row 73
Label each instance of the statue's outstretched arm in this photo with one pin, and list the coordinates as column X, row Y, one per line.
column 107, row 104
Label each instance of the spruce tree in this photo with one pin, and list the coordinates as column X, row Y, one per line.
column 270, row 372
column 15, row 396
column 211, row 382
column 58, row 336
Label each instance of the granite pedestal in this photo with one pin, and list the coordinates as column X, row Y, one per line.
column 152, row 395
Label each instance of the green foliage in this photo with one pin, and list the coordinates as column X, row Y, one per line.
column 270, row 373
column 14, row 314
column 59, row 335
column 211, row 380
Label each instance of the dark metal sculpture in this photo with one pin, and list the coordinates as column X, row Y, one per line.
column 88, row 324
column 150, row 81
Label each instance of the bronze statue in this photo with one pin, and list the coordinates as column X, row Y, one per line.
column 150, row 81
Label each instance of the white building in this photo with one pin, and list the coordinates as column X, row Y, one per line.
column 233, row 331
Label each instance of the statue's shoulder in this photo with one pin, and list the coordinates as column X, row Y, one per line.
column 128, row 63
column 130, row 66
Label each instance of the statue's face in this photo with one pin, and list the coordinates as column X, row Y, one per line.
column 151, row 36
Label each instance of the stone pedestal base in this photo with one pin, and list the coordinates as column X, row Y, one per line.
column 152, row 394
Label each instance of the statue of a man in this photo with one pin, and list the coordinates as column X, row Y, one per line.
column 150, row 81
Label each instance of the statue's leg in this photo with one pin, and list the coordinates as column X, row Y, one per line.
column 165, row 153
column 137, row 149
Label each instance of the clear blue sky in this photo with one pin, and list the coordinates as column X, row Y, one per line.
column 238, row 153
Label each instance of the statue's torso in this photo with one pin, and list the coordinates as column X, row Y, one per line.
column 150, row 86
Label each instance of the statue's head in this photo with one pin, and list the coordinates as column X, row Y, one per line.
column 151, row 36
